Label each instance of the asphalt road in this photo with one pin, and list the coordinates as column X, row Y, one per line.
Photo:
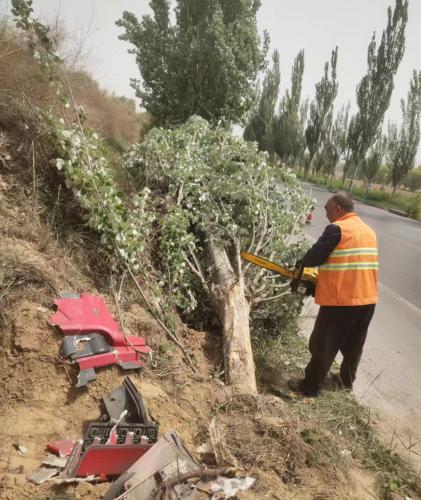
column 389, row 377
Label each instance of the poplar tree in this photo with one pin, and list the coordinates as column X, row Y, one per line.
column 403, row 143
column 325, row 150
column 372, row 163
column 260, row 125
column 286, row 129
column 334, row 147
column 321, row 108
column 205, row 62
column 375, row 89
column 301, row 132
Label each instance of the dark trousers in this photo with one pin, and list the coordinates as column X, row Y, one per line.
column 337, row 328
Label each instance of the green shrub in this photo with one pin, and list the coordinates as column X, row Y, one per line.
column 383, row 175
column 413, row 180
column 405, row 202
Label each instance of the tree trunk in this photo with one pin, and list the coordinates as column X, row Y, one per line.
column 238, row 355
column 332, row 172
column 393, row 192
column 345, row 173
column 367, row 186
column 353, row 177
column 233, row 309
column 309, row 166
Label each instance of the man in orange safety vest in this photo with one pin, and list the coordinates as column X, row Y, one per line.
column 347, row 257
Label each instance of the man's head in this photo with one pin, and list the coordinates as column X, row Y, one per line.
column 338, row 205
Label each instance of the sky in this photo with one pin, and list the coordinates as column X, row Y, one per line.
column 315, row 26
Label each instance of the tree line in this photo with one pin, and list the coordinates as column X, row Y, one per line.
column 318, row 142
column 207, row 61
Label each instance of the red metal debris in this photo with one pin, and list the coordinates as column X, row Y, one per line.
column 120, row 355
column 86, row 315
column 111, row 460
column 62, row 447
column 112, row 446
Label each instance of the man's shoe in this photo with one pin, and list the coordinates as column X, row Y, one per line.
column 339, row 384
column 297, row 385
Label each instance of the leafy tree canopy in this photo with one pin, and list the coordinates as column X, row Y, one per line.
column 335, row 144
column 221, row 195
column 372, row 163
column 205, row 63
column 216, row 185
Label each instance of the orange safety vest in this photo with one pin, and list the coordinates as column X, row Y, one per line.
column 349, row 276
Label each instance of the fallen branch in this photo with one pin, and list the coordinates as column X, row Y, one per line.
column 120, row 316
column 163, row 492
column 170, row 334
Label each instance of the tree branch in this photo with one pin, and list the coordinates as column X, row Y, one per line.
column 263, row 233
column 238, row 259
column 261, row 272
column 180, row 194
column 163, row 493
column 170, row 334
column 268, row 299
column 272, row 286
column 199, row 274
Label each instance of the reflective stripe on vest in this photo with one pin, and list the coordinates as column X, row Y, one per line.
column 349, row 276
column 350, row 265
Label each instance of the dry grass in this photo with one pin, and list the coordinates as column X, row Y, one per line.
column 22, row 268
column 340, row 415
column 26, row 144
column 20, row 73
column 264, row 435
column 113, row 117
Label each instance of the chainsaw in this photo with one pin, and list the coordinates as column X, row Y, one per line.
column 303, row 280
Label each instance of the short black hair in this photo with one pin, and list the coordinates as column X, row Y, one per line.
column 344, row 200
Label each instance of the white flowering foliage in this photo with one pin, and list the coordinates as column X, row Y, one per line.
column 176, row 243
column 124, row 232
column 216, row 184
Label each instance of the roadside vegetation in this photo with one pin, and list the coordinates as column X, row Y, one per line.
column 155, row 222
column 317, row 141
column 407, row 202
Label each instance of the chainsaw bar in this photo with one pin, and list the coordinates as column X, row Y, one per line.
column 309, row 273
column 267, row 264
